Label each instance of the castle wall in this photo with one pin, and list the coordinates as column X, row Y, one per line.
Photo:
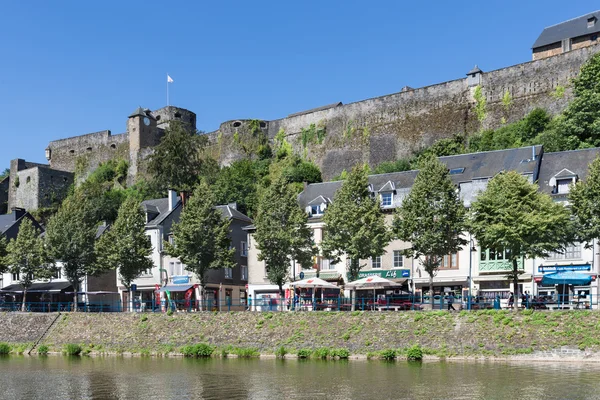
column 39, row 187
column 393, row 126
column 88, row 151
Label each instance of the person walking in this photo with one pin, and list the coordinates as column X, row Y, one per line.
column 451, row 302
column 249, row 303
column 511, row 300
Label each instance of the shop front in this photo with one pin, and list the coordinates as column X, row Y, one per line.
column 566, row 285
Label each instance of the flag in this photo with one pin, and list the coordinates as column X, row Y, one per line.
column 169, row 79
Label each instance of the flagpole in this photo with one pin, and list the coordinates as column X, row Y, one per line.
column 167, row 88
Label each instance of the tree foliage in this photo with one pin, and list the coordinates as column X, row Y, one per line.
column 585, row 204
column 3, row 244
column 355, row 223
column 512, row 215
column 177, row 160
column 432, row 217
column 126, row 247
column 238, row 182
column 4, row 173
column 282, row 234
column 201, row 238
column 27, row 257
column 70, row 239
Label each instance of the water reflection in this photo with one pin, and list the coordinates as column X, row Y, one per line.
column 157, row 378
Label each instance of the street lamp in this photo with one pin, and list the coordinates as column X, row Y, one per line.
column 471, row 250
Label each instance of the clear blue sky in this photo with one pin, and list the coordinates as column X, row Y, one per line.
column 72, row 67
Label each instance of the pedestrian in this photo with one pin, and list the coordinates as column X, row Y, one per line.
column 527, row 297
column 511, row 300
column 249, row 308
column 451, row 302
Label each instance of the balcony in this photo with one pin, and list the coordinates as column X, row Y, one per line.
column 495, row 266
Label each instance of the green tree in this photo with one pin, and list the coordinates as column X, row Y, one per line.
column 201, row 238
column 27, row 258
column 431, row 218
column 3, row 265
column 512, row 215
column 70, row 238
column 4, row 173
column 177, row 160
column 355, row 224
column 126, row 246
column 238, row 182
column 282, row 234
column 585, row 204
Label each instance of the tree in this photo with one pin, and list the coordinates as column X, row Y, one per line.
column 3, row 265
column 512, row 215
column 585, row 204
column 355, row 223
column 431, row 218
column 282, row 234
column 201, row 238
column 177, row 161
column 70, row 238
column 126, row 246
column 27, row 258
column 238, row 182
column 4, row 173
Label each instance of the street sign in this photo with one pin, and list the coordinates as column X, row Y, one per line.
column 301, row 275
column 133, row 287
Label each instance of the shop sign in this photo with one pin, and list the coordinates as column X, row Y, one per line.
column 181, row 280
column 560, row 268
column 388, row 274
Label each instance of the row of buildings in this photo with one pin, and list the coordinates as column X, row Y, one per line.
column 483, row 269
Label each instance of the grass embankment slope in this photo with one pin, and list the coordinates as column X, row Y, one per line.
column 479, row 333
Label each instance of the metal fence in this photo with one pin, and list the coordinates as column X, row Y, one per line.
column 402, row 303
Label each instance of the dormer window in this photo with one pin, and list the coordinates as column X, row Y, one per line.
column 387, row 199
column 562, row 185
column 591, row 22
column 316, row 210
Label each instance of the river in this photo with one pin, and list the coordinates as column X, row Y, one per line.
column 56, row 377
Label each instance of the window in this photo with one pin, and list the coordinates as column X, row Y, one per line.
column 16, row 276
column 376, row 262
column 175, row 268
column 327, row 264
column 244, row 249
column 244, row 272
column 228, row 273
column 449, row 261
column 56, row 274
column 249, row 241
column 387, row 199
column 495, row 255
column 315, row 210
column 171, row 239
column 571, row 253
column 456, row 171
column 398, row 259
column 562, row 185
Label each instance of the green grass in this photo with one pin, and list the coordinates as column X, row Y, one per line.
column 43, row 350
column 340, row 353
column 246, row 352
column 321, row 353
column 197, row 350
column 4, row 348
column 72, row 349
column 281, row 352
column 304, row 353
column 414, row 353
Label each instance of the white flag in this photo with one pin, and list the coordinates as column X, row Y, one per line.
column 169, row 79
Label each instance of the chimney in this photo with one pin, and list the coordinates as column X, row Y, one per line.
column 305, row 184
column 19, row 212
column 233, row 205
column 172, row 199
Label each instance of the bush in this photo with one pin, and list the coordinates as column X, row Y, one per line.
column 4, row 348
column 342, row 354
column 322, row 353
column 170, row 312
column 414, row 353
column 388, row 354
column 72, row 349
column 43, row 350
column 304, row 353
column 197, row 350
column 246, row 352
column 281, row 352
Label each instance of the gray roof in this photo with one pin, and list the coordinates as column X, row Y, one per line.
column 144, row 112
column 555, row 164
column 101, row 230
column 230, row 212
column 473, row 166
column 568, row 29
column 475, row 70
column 6, row 221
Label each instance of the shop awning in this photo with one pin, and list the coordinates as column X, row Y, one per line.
column 43, row 287
column 175, row 288
column 567, row 278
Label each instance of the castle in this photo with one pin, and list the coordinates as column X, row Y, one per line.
column 336, row 136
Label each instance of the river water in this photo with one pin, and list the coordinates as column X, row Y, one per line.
column 57, row 377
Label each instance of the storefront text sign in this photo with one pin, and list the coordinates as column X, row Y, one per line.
column 180, row 280
column 557, row 268
column 386, row 273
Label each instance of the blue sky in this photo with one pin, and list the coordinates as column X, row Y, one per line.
column 73, row 67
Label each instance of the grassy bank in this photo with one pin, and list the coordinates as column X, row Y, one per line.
column 328, row 334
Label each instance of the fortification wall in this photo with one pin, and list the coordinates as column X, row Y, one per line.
column 40, row 187
column 393, row 126
column 86, row 152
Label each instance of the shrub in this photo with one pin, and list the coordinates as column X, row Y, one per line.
column 414, row 353
column 4, row 348
column 72, row 349
column 43, row 350
column 170, row 312
column 340, row 353
column 322, row 353
column 304, row 353
column 197, row 350
column 281, row 352
column 388, row 354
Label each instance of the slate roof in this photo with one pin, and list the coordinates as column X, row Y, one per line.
column 144, row 112
column 475, row 70
column 568, row 29
column 576, row 161
column 475, row 166
column 230, row 212
column 6, row 221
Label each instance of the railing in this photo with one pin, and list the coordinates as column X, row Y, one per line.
column 398, row 303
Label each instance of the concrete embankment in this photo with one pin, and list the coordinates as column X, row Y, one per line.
column 535, row 335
